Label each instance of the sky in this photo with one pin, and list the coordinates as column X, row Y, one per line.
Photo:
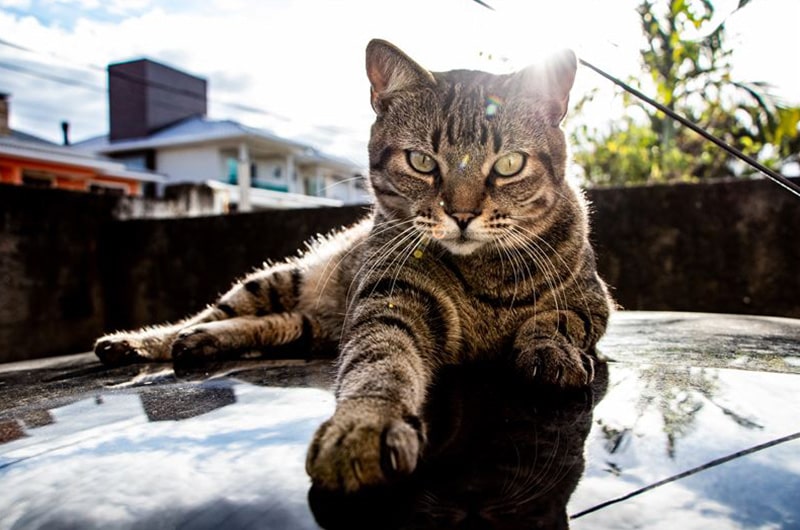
column 296, row 67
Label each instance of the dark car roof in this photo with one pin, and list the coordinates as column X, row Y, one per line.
column 694, row 424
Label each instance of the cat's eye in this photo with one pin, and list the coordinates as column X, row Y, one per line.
column 509, row 165
column 421, row 162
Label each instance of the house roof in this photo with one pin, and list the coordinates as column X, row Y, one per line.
column 25, row 137
column 42, row 151
column 201, row 130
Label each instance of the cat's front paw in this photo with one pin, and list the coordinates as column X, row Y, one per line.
column 117, row 350
column 363, row 445
column 556, row 362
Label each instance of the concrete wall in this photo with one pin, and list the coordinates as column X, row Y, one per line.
column 51, row 291
column 68, row 270
column 725, row 247
column 180, row 200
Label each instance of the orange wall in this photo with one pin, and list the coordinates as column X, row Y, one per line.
column 10, row 173
column 66, row 177
column 58, row 169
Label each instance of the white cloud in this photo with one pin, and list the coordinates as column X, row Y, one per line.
column 127, row 6
column 17, row 4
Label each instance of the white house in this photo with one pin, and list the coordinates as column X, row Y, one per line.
column 229, row 153
column 158, row 123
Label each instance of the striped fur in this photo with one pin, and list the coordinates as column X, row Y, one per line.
column 456, row 263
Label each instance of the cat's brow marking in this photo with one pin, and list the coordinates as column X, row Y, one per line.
column 436, row 138
column 497, row 140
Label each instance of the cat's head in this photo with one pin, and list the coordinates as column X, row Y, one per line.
column 471, row 157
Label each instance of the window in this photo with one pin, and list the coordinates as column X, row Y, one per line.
column 233, row 170
column 315, row 186
column 232, row 164
column 107, row 189
column 38, row 179
column 138, row 159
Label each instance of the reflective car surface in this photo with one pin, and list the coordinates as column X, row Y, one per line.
column 693, row 424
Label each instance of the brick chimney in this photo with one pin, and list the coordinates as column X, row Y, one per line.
column 145, row 96
column 5, row 130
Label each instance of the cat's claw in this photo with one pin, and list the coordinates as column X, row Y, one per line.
column 588, row 365
column 361, row 447
column 555, row 363
column 115, row 352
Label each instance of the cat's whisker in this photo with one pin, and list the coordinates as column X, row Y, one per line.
column 389, row 252
column 522, row 246
column 408, row 254
column 532, row 479
column 510, row 485
column 542, row 478
column 545, row 264
column 342, row 181
column 379, row 252
column 571, row 270
column 382, row 254
column 503, row 252
column 398, row 253
column 378, row 229
column 515, row 262
column 554, row 476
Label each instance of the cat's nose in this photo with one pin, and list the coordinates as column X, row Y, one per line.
column 464, row 218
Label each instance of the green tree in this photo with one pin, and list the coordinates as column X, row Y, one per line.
column 691, row 75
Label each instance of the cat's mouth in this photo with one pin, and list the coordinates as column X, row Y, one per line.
column 461, row 242
column 454, row 239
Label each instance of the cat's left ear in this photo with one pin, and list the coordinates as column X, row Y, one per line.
column 551, row 80
column 390, row 71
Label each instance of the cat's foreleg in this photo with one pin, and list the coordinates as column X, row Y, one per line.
column 243, row 334
column 386, row 363
column 264, row 292
column 150, row 344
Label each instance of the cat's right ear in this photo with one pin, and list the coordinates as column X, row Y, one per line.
column 390, row 71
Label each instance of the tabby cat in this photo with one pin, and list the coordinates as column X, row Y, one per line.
column 477, row 248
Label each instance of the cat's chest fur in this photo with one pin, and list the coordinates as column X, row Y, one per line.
column 489, row 297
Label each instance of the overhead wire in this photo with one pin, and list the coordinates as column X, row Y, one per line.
column 82, row 84
column 50, row 77
column 140, row 80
